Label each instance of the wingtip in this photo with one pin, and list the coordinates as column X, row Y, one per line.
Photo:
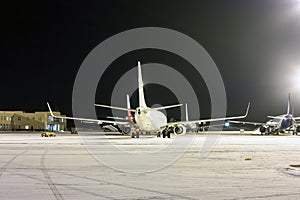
column 248, row 107
column 50, row 109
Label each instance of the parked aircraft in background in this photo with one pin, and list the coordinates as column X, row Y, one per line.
column 278, row 124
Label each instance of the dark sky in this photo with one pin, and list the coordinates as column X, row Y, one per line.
column 255, row 45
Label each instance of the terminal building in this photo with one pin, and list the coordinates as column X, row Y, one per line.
column 37, row 121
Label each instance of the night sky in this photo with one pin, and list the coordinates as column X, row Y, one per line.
column 255, row 45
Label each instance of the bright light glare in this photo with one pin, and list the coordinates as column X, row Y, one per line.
column 293, row 86
column 295, row 78
column 295, row 8
column 290, row 11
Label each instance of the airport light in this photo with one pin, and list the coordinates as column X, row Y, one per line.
column 227, row 124
column 293, row 8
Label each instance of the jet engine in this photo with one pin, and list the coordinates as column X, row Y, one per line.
column 262, row 129
column 180, row 130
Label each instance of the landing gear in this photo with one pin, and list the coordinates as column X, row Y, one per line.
column 169, row 134
column 164, row 133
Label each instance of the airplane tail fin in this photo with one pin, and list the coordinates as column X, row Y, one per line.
column 142, row 102
column 289, row 105
column 186, row 113
column 128, row 101
column 129, row 115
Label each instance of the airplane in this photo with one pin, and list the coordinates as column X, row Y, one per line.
column 277, row 124
column 151, row 119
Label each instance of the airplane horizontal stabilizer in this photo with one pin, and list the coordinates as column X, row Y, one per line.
column 166, row 107
column 113, row 107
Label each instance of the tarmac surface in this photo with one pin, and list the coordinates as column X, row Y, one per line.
column 73, row 167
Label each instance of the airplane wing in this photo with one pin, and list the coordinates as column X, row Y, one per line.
column 243, row 122
column 85, row 120
column 296, row 118
column 276, row 117
column 209, row 120
column 166, row 107
column 118, row 118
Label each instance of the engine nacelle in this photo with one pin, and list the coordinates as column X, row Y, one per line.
column 179, row 130
column 262, row 129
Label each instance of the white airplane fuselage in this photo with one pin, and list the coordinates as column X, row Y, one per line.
column 150, row 120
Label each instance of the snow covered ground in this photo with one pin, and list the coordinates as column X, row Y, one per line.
column 116, row 167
